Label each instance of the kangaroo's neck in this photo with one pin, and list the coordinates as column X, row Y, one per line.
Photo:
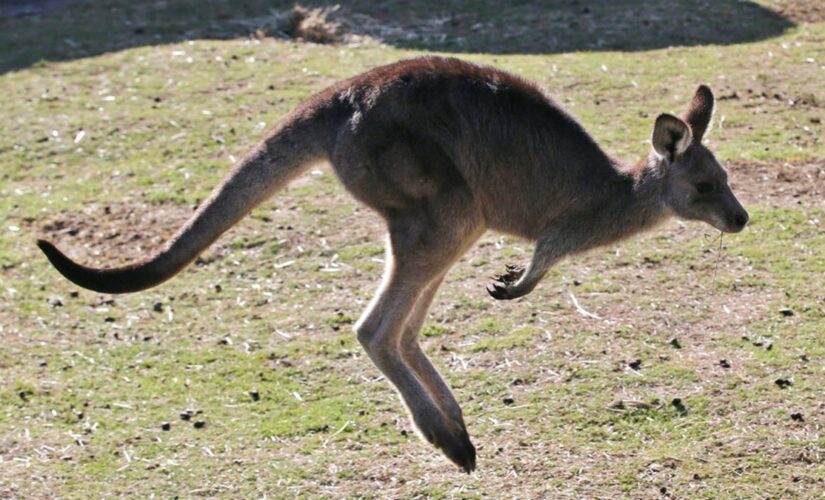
column 631, row 202
column 647, row 207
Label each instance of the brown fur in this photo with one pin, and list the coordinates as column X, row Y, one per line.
column 444, row 150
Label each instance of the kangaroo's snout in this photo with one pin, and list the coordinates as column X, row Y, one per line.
column 738, row 222
column 736, row 217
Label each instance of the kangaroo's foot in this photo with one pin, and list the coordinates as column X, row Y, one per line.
column 451, row 437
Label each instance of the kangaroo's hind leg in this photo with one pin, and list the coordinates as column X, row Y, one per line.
column 424, row 242
column 417, row 360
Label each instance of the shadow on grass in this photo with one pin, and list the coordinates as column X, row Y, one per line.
column 88, row 28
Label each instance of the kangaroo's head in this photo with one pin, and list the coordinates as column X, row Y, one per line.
column 695, row 184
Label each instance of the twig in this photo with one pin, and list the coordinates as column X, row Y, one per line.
column 718, row 257
column 339, row 431
column 581, row 310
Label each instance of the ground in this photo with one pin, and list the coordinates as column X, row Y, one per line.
column 678, row 364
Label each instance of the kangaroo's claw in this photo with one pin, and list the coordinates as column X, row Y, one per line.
column 498, row 290
column 501, row 286
column 513, row 273
column 452, row 439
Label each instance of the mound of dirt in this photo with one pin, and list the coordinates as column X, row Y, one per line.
column 319, row 25
column 339, row 25
column 325, row 25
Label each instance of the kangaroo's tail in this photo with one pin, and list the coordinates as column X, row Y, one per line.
column 287, row 151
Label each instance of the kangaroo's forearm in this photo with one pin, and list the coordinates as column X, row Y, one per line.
column 518, row 282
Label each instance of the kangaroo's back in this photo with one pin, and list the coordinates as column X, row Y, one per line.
column 491, row 131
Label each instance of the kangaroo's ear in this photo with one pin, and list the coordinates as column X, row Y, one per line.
column 699, row 112
column 671, row 136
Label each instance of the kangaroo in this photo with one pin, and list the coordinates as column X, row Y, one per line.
column 444, row 150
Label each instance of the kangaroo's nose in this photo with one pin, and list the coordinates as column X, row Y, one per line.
column 741, row 219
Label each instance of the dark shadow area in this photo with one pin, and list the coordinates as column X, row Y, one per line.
column 55, row 30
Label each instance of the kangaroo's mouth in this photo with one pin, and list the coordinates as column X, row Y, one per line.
column 731, row 224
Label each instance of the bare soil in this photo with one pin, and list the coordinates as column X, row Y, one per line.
column 115, row 232
column 784, row 184
column 803, row 11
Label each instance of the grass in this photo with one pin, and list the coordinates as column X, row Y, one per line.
column 87, row 379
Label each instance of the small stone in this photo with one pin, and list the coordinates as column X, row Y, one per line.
column 674, row 342
column 158, row 307
column 783, row 383
column 508, row 401
column 188, row 414
column 166, row 426
column 724, row 363
column 199, row 424
column 797, row 417
column 636, row 364
column 254, row 395
column 679, row 405
column 109, row 319
column 785, row 311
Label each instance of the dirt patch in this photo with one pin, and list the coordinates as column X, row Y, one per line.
column 785, row 184
column 114, row 233
column 803, row 11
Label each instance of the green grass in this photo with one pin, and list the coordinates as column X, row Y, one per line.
column 88, row 379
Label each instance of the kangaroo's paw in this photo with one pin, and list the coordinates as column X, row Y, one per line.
column 452, row 439
column 448, row 435
column 501, row 287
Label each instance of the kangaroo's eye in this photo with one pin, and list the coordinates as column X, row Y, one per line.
column 704, row 187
